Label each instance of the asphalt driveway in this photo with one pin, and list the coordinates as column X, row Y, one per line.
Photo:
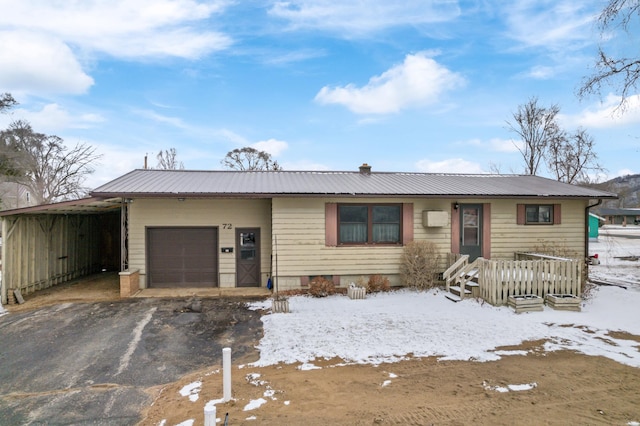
column 90, row 363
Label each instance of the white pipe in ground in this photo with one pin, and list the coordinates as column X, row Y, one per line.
column 226, row 374
column 209, row 415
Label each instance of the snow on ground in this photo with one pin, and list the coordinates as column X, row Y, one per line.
column 390, row 327
column 615, row 243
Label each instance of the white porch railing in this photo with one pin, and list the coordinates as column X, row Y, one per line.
column 499, row 279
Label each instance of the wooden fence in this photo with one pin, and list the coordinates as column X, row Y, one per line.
column 499, row 279
column 41, row 251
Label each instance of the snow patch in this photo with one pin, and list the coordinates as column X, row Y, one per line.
column 254, row 403
column 192, row 390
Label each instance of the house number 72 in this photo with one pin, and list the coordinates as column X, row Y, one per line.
column 227, row 226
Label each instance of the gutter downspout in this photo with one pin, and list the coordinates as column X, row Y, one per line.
column 586, row 241
column 586, row 227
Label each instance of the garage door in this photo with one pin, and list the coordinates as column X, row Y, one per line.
column 182, row 257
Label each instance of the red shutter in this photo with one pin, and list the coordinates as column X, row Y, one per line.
column 331, row 224
column 521, row 214
column 486, row 230
column 556, row 214
column 407, row 223
column 455, row 229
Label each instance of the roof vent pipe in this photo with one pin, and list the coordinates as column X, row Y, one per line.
column 365, row 169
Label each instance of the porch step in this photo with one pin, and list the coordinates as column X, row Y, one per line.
column 456, row 291
column 452, row 297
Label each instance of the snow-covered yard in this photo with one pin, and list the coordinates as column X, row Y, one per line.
column 393, row 326
column 616, row 244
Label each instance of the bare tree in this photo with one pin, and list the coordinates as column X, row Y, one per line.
column 51, row 171
column 571, row 158
column 615, row 69
column 537, row 128
column 248, row 158
column 167, row 160
column 7, row 102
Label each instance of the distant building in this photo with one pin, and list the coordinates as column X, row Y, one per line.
column 14, row 195
column 620, row 216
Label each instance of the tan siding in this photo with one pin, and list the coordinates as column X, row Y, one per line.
column 299, row 227
column 509, row 237
column 195, row 212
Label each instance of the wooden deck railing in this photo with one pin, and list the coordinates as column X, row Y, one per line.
column 449, row 276
column 499, row 279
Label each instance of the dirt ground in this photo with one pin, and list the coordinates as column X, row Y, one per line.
column 570, row 388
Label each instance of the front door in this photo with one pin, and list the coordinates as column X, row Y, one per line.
column 471, row 230
column 248, row 257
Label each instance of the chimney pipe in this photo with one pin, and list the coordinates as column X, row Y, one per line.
column 365, row 169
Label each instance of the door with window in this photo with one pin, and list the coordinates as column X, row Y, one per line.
column 248, row 257
column 471, row 230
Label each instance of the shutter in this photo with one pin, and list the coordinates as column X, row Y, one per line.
column 331, row 224
column 455, row 229
column 407, row 223
column 556, row 214
column 521, row 214
column 486, row 230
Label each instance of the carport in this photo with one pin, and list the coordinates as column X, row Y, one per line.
column 51, row 244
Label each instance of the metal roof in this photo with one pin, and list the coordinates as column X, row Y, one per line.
column 83, row 205
column 193, row 183
column 603, row 211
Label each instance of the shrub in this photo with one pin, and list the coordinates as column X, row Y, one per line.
column 419, row 265
column 321, row 287
column 554, row 248
column 377, row 283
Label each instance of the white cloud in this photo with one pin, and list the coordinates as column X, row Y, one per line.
column 553, row 24
column 540, row 72
column 232, row 136
column 504, row 145
column 122, row 28
column 496, row 144
column 362, row 17
column 418, row 81
column 160, row 118
column 452, row 165
column 39, row 64
column 52, row 118
column 276, row 58
column 115, row 161
column 43, row 41
column 608, row 114
column 272, row 146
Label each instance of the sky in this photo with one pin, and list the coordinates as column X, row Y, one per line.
column 337, row 326
column 412, row 86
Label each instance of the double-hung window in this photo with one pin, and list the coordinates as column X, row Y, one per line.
column 369, row 224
